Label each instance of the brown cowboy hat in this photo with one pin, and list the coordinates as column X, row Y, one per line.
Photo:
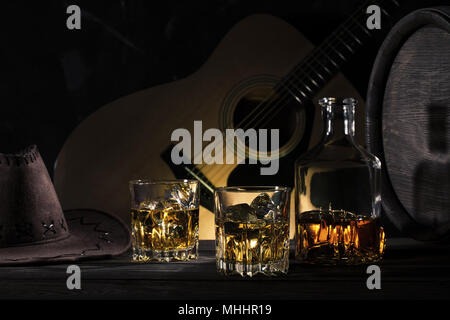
column 33, row 226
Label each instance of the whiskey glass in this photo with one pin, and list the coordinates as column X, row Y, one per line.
column 252, row 230
column 164, row 220
column 337, row 200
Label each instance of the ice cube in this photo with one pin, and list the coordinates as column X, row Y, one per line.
column 271, row 215
column 276, row 198
column 172, row 204
column 263, row 205
column 177, row 231
column 151, row 205
column 241, row 213
column 183, row 195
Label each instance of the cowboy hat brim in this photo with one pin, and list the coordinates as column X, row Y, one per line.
column 93, row 234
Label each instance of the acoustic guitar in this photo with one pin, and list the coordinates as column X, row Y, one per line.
column 263, row 74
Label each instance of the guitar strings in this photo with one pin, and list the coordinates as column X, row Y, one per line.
column 352, row 36
column 355, row 17
column 306, row 63
column 306, row 74
column 269, row 114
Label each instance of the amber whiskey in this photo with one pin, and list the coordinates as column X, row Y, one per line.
column 252, row 247
column 338, row 237
column 164, row 234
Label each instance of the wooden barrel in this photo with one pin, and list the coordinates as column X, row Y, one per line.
column 408, row 123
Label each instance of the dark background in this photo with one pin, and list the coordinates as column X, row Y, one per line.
column 52, row 78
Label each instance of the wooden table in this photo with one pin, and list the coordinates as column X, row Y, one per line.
column 410, row 270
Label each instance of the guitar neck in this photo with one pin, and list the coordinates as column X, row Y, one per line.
column 302, row 82
column 310, row 75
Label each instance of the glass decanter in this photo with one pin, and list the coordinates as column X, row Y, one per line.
column 337, row 196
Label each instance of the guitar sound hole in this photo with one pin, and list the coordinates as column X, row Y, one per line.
column 281, row 113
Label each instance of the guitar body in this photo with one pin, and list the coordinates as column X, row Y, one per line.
column 124, row 139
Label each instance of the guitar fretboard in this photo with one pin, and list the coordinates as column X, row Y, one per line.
column 311, row 74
